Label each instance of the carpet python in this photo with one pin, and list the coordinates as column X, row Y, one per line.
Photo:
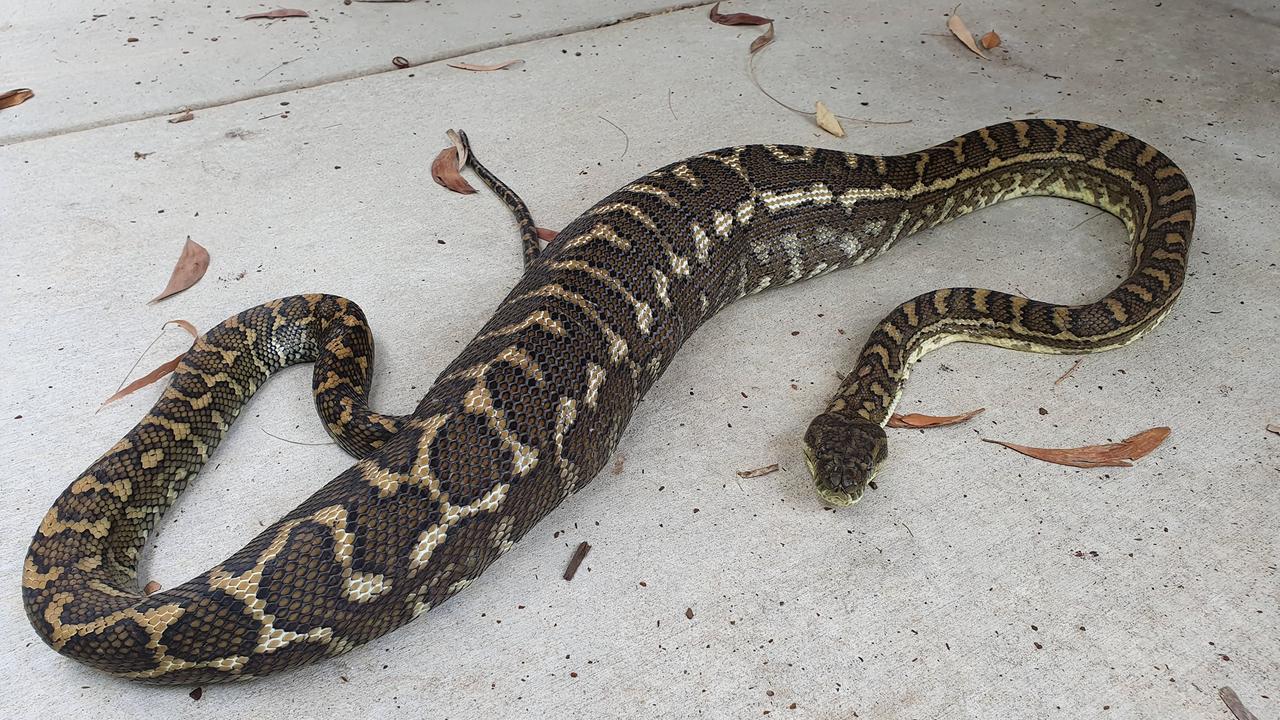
column 534, row 406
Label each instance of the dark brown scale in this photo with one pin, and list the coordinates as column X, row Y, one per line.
column 533, row 407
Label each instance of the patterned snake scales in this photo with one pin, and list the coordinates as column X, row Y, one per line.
column 533, row 407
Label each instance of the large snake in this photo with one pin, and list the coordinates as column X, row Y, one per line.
column 534, row 406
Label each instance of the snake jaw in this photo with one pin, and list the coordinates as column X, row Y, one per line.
column 843, row 456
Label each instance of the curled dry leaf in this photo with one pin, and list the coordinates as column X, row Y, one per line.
column 827, row 120
column 757, row 472
column 990, row 40
column 958, row 28
column 486, row 68
column 400, row 62
column 1273, row 428
column 460, row 146
column 190, row 267
column 546, row 235
column 761, row 42
column 151, row 588
column 276, row 14
column 182, row 117
column 1090, row 456
column 159, row 372
column 736, row 18
column 15, row 97
column 916, row 420
column 445, row 171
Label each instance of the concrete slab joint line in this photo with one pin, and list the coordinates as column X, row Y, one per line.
column 38, row 63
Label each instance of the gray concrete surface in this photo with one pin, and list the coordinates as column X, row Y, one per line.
column 973, row 582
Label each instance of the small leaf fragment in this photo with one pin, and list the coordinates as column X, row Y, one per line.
column 757, row 472
column 917, row 420
column 827, row 120
column 445, row 171
column 1091, row 456
column 1273, row 428
column 151, row 588
column 958, row 28
column 546, row 235
column 759, row 43
column 736, row 18
column 990, row 40
column 275, row 14
column 15, row 97
column 473, row 67
column 182, row 117
column 159, row 372
column 688, row 613
column 190, row 267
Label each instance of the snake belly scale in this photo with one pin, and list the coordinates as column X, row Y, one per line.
column 535, row 404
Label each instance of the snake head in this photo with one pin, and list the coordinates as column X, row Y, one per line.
column 844, row 455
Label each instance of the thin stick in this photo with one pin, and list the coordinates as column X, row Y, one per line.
column 286, row 62
column 576, row 560
column 1069, row 371
column 626, row 138
column 751, row 70
column 297, row 442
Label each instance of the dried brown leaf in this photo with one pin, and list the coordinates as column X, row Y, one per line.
column 1090, row 456
column 736, row 18
column 188, row 270
column 460, row 146
column 546, row 235
column 159, row 372
column 276, row 14
column 916, row 420
column 958, row 28
column 473, row 67
column 688, row 613
column 151, row 588
column 15, row 97
column 1232, row 701
column 444, row 170
column 182, row 117
column 761, row 42
column 757, row 472
column 990, row 40
column 827, row 119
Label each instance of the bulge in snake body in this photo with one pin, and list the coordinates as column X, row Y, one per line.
column 533, row 407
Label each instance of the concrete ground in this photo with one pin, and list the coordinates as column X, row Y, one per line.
column 974, row 582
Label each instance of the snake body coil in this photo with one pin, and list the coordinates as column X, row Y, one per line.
column 535, row 404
